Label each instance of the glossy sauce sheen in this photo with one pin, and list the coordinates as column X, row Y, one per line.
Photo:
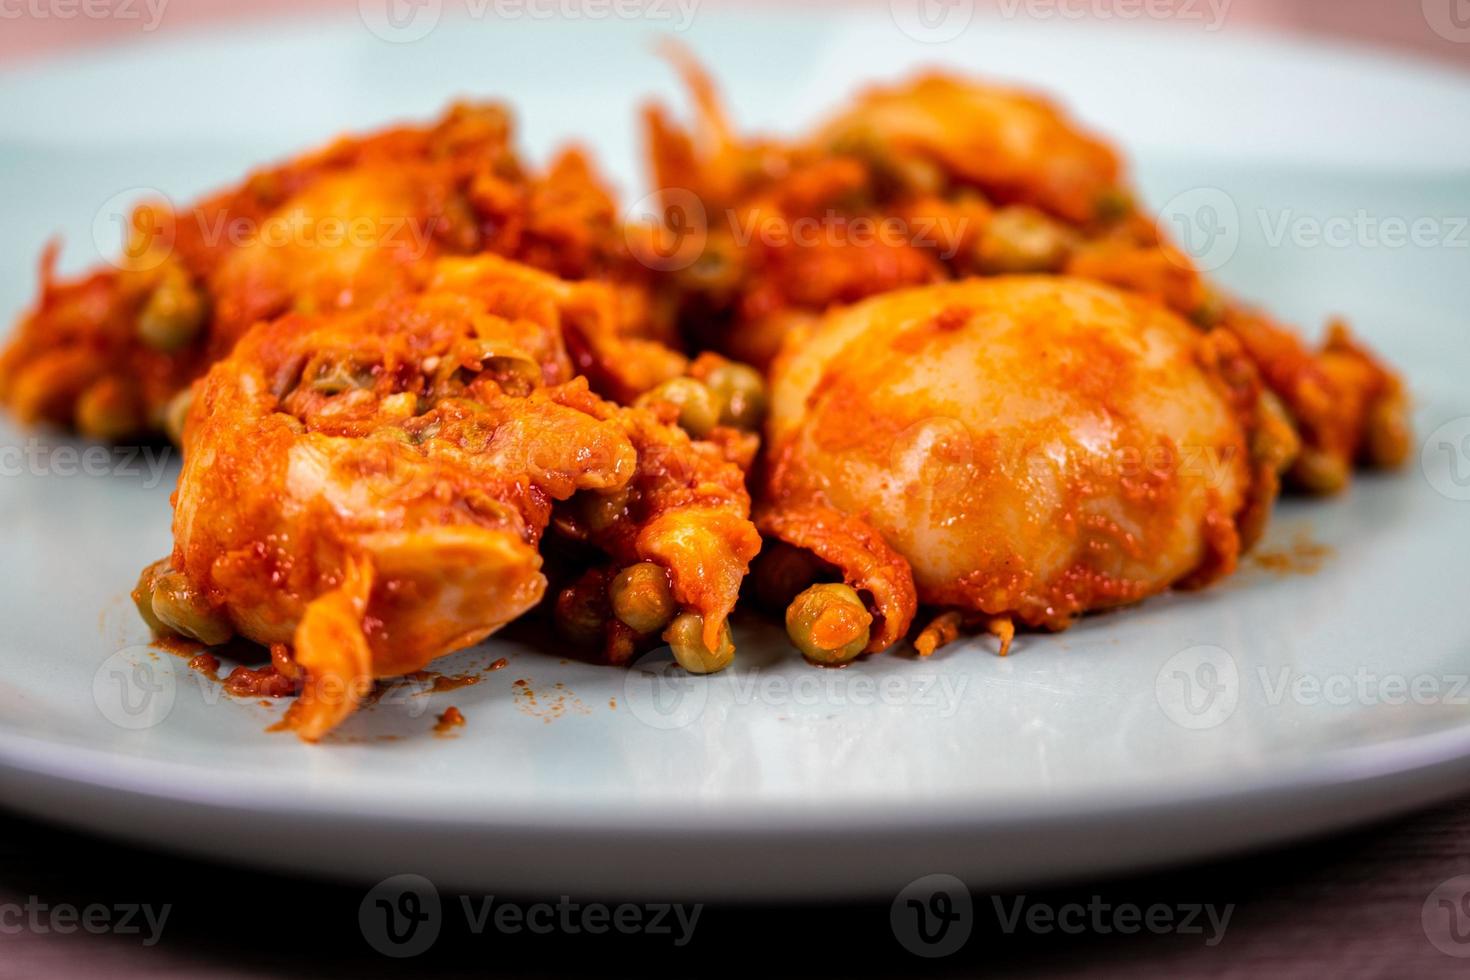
column 1035, row 447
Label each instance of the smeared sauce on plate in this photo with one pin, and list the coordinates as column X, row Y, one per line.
column 268, row 682
column 443, row 682
column 1303, row 556
column 451, row 719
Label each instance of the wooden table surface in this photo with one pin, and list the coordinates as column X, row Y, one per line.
column 1347, row 906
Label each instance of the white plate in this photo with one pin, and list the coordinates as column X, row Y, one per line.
column 1077, row 754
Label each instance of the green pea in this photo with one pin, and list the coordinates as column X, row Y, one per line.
column 336, row 376
column 580, row 614
column 642, row 598
column 601, row 511
column 391, row 433
column 108, row 410
column 718, row 270
column 143, row 595
column 1320, row 472
column 181, row 608
column 685, row 636
column 1390, row 433
column 1022, row 240
column 699, row 410
column 174, row 313
column 740, row 392
column 516, row 374
column 1113, row 204
column 829, row 623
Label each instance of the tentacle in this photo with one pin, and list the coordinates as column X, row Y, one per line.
column 942, row 630
column 866, row 561
column 333, row 653
column 707, row 552
column 442, row 589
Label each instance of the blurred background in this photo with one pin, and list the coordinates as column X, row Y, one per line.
column 1438, row 29
column 1259, row 97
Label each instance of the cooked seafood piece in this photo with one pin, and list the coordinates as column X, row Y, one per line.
column 1029, row 448
column 941, row 178
column 353, row 225
column 365, row 491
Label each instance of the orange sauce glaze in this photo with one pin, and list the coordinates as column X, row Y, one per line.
column 206, row 664
column 268, row 681
column 251, row 682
